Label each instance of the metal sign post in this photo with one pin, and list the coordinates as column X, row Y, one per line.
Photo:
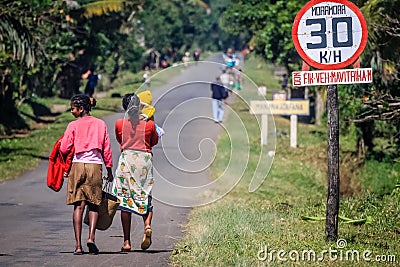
column 330, row 35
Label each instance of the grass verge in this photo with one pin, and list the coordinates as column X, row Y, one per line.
column 22, row 152
column 249, row 229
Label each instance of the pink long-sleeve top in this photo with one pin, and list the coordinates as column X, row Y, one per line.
column 86, row 134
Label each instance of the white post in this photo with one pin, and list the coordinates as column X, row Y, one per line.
column 293, row 130
column 264, row 128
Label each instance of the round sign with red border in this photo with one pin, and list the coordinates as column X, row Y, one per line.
column 329, row 34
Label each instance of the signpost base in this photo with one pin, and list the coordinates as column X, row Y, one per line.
column 264, row 129
column 293, row 130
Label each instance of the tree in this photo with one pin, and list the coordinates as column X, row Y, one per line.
column 101, row 29
column 173, row 27
column 46, row 45
column 19, row 51
column 374, row 108
column 269, row 24
column 43, row 44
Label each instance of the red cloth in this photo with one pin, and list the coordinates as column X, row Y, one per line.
column 59, row 166
column 143, row 137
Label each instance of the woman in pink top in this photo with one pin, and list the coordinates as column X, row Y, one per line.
column 134, row 175
column 89, row 136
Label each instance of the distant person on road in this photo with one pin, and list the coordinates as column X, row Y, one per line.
column 196, row 55
column 146, row 76
column 224, row 78
column 230, row 58
column 92, row 80
column 219, row 94
column 186, row 59
column 238, row 79
column 164, row 63
column 134, row 175
column 89, row 136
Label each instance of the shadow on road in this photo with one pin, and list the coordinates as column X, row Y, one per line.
column 119, row 252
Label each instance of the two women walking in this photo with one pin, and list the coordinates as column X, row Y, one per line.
column 134, row 176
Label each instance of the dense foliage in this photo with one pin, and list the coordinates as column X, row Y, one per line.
column 173, row 27
column 269, row 23
column 372, row 110
column 46, row 46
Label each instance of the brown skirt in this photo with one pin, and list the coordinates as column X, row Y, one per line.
column 85, row 183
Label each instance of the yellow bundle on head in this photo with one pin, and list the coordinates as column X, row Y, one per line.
column 146, row 99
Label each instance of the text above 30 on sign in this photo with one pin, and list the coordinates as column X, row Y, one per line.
column 329, row 34
column 327, row 77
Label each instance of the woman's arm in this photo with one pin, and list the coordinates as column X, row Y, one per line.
column 107, row 154
column 118, row 131
column 154, row 135
column 67, row 141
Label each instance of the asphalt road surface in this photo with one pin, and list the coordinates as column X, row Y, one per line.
column 36, row 224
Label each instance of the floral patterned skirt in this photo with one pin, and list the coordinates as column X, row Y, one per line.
column 133, row 181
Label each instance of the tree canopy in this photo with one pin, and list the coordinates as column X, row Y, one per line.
column 372, row 108
column 46, row 45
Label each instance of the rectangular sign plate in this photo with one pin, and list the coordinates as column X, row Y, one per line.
column 280, row 107
column 327, row 77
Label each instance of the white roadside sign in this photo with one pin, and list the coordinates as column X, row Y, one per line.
column 327, row 77
column 293, row 108
column 280, row 107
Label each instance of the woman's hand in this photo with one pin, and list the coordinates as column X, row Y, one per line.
column 110, row 176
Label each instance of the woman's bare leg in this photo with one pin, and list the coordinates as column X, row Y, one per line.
column 147, row 219
column 79, row 207
column 146, row 242
column 93, row 218
column 126, row 228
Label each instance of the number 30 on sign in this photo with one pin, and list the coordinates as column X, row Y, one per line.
column 329, row 34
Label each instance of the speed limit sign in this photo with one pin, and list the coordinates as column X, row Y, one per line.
column 329, row 34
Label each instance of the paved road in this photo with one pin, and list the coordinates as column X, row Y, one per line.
column 36, row 225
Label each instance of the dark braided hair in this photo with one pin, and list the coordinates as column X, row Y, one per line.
column 126, row 100
column 131, row 104
column 82, row 101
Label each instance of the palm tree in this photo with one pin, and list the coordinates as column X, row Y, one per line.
column 15, row 38
column 99, row 8
column 18, row 50
column 201, row 4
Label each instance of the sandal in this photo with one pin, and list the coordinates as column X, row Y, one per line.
column 92, row 248
column 146, row 243
column 78, row 251
column 124, row 249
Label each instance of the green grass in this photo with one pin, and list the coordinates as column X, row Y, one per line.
column 261, row 73
column 236, row 229
column 233, row 230
column 22, row 152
